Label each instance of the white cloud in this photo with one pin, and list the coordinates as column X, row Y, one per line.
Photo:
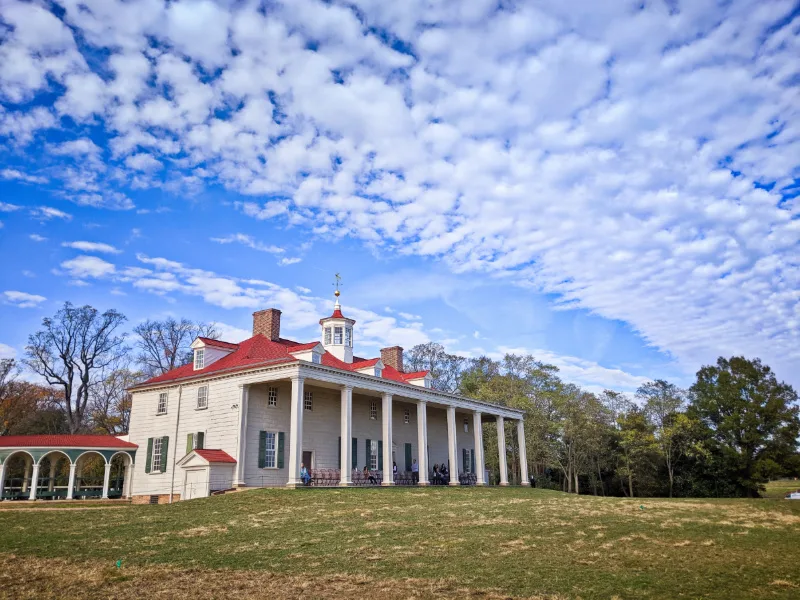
column 45, row 213
column 230, row 333
column 302, row 290
column 15, row 175
column 7, row 351
column 286, row 261
column 6, row 207
column 87, row 266
column 632, row 161
column 23, row 299
column 37, row 238
column 92, row 247
column 250, row 242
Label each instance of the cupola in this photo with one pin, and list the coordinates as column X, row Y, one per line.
column 337, row 333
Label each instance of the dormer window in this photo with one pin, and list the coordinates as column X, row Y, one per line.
column 378, row 371
column 337, row 335
column 316, row 358
column 199, row 359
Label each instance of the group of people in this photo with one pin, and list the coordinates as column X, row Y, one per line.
column 441, row 475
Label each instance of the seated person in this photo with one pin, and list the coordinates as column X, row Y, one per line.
column 369, row 476
column 304, row 474
column 444, row 473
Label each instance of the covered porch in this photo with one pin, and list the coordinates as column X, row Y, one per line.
column 65, row 467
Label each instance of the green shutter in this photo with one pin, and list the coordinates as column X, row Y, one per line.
column 340, row 453
column 201, row 438
column 408, row 457
column 380, row 455
column 464, row 459
column 355, row 453
column 368, row 455
column 189, row 442
column 149, row 460
column 164, row 446
column 280, row 450
column 472, row 460
column 262, row 449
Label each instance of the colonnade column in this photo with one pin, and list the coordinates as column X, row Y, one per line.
column 27, row 476
column 106, row 478
column 523, row 454
column 126, row 486
column 2, row 477
column 34, row 481
column 388, row 475
column 51, row 479
column 422, row 441
column 71, row 484
column 241, row 451
column 477, row 428
column 452, row 444
column 501, row 449
column 296, row 433
column 346, row 451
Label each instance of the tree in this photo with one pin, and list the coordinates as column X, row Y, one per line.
column 164, row 345
column 751, row 419
column 637, row 441
column 74, row 350
column 111, row 401
column 662, row 404
column 445, row 368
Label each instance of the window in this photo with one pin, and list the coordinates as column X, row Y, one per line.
column 466, row 425
column 199, row 359
column 316, row 358
column 308, row 401
column 272, row 397
column 270, row 450
column 156, row 464
column 162, row 404
column 373, row 455
column 377, row 372
column 373, row 410
column 348, row 337
column 406, row 416
column 327, row 336
column 337, row 335
column 202, row 397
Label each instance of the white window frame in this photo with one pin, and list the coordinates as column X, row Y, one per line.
column 327, row 337
column 348, row 337
column 199, row 359
column 378, row 372
column 195, row 438
column 373, row 410
column 272, row 397
column 155, row 458
column 202, row 394
column 466, row 425
column 338, row 336
column 308, row 401
column 273, row 452
column 316, row 358
column 373, row 455
column 161, row 409
column 406, row 416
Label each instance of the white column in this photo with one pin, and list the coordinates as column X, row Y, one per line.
column 27, row 476
column 388, row 474
column 346, row 451
column 422, row 441
column 71, row 484
column 452, row 444
column 523, row 454
column 501, row 449
column 51, row 479
column 296, row 433
column 241, row 456
column 34, row 481
column 106, row 478
column 126, row 484
column 477, row 428
column 2, row 478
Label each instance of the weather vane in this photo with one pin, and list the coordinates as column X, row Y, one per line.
column 337, row 284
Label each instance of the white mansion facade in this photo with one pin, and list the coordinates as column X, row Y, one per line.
column 249, row 414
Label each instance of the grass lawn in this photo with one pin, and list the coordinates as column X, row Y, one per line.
column 779, row 489
column 400, row 543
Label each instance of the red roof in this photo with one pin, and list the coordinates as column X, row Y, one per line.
column 216, row 456
column 218, row 343
column 64, row 441
column 261, row 351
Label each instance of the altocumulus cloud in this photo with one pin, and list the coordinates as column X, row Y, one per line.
column 638, row 161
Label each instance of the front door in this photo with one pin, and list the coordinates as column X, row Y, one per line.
column 307, row 456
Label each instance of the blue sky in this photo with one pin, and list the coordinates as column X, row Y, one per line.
column 609, row 186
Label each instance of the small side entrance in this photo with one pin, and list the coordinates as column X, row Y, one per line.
column 196, row 484
column 308, row 456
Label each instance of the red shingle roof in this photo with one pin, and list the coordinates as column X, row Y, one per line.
column 260, row 351
column 216, row 456
column 218, row 343
column 64, row 441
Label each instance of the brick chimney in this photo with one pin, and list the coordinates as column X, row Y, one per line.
column 267, row 323
column 393, row 357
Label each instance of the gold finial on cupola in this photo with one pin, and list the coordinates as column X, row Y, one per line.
column 338, row 277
